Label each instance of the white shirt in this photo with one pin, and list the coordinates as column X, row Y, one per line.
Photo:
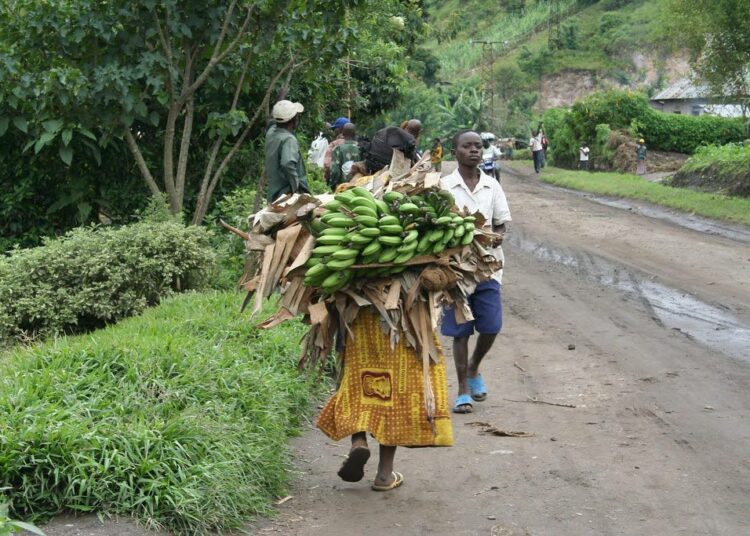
column 488, row 198
column 536, row 143
column 491, row 153
column 584, row 156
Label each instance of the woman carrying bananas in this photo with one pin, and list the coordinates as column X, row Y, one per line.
column 474, row 191
column 382, row 390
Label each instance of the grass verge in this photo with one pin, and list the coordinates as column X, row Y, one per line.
column 178, row 417
column 716, row 206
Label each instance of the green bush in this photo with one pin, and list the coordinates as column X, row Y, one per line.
column 178, row 417
column 92, row 276
column 234, row 209
column 724, row 169
column 623, row 110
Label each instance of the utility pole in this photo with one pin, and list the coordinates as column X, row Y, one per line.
column 488, row 61
column 553, row 24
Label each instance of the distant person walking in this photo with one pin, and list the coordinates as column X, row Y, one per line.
column 344, row 156
column 535, row 143
column 640, row 156
column 545, row 146
column 338, row 127
column 285, row 167
column 583, row 157
column 436, row 154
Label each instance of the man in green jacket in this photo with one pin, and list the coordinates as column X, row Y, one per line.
column 344, row 156
column 285, row 167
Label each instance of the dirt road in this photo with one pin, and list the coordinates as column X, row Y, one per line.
column 643, row 326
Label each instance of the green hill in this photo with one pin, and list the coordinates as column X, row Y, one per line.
column 597, row 45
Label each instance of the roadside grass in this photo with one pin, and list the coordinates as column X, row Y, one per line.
column 734, row 209
column 178, row 417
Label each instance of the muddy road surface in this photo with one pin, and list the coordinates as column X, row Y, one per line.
column 625, row 353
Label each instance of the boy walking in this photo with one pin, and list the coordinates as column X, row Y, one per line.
column 475, row 191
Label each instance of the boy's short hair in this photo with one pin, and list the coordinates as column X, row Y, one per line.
column 460, row 133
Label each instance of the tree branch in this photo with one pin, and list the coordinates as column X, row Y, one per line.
column 216, row 56
column 166, row 44
column 142, row 166
column 208, row 185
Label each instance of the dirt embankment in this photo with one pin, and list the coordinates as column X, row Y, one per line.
column 656, row 161
column 714, row 179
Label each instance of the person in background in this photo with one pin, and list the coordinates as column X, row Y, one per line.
column 640, row 156
column 414, row 127
column 491, row 155
column 475, row 191
column 344, row 156
column 285, row 167
column 545, row 146
column 535, row 143
column 436, row 154
column 583, row 156
column 338, row 139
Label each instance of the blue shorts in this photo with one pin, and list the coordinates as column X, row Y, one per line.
column 487, row 308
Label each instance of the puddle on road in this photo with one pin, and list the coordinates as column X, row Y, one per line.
column 708, row 324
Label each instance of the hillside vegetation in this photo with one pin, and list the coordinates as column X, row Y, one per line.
column 601, row 45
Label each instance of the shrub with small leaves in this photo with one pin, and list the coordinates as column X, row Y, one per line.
column 93, row 276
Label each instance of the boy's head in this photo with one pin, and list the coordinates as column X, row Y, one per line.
column 467, row 148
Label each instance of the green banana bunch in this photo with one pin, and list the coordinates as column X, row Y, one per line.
column 358, row 229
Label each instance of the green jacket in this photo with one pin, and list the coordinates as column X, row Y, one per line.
column 640, row 152
column 347, row 152
column 285, row 167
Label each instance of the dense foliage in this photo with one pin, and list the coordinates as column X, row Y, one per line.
column 568, row 128
column 178, row 417
column 93, row 276
column 105, row 103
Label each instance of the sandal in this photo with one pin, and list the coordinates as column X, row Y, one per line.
column 463, row 404
column 398, row 479
column 353, row 468
column 478, row 389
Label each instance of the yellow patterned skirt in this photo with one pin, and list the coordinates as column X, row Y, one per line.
column 382, row 392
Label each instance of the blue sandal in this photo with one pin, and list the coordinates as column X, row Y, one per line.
column 463, row 404
column 478, row 389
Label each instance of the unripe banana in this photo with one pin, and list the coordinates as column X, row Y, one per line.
column 358, row 240
column 317, row 271
column 457, row 220
column 340, row 264
column 382, row 207
column 312, row 261
column 438, row 247
column 372, row 249
column 364, row 202
column 371, row 232
column 467, row 238
column 334, row 231
column 333, row 205
column 342, row 221
column 365, row 211
column 391, row 229
column 325, row 250
column 389, row 240
column 366, row 221
column 435, row 235
column 345, row 254
column 443, row 220
column 389, row 220
column 411, row 236
column 411, row 247
column 448, row 236
column 329, row 240
column 459, row 231
column 424, row 244
column 363, row 192
column 390, row 197
column 470, row 219
column 403, row 257
column 387, row 255
column 408, row 208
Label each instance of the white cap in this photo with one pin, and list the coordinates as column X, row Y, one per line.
column 285, row 110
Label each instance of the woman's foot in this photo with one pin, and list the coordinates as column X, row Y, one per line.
column 389, row 482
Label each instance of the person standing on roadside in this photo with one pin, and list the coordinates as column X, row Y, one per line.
column 545, row 146
column 535, row 143
column 285, row 167
column 338, row 139
column 640, row 157
column 344, row 156
column 436, row 154
column 474, row 190
column 583, row 156
column 414, row 127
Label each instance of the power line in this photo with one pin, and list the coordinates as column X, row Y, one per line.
column 488, row 61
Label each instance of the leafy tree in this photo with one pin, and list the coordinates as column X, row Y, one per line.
column 183, row 84
column 717, row 36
